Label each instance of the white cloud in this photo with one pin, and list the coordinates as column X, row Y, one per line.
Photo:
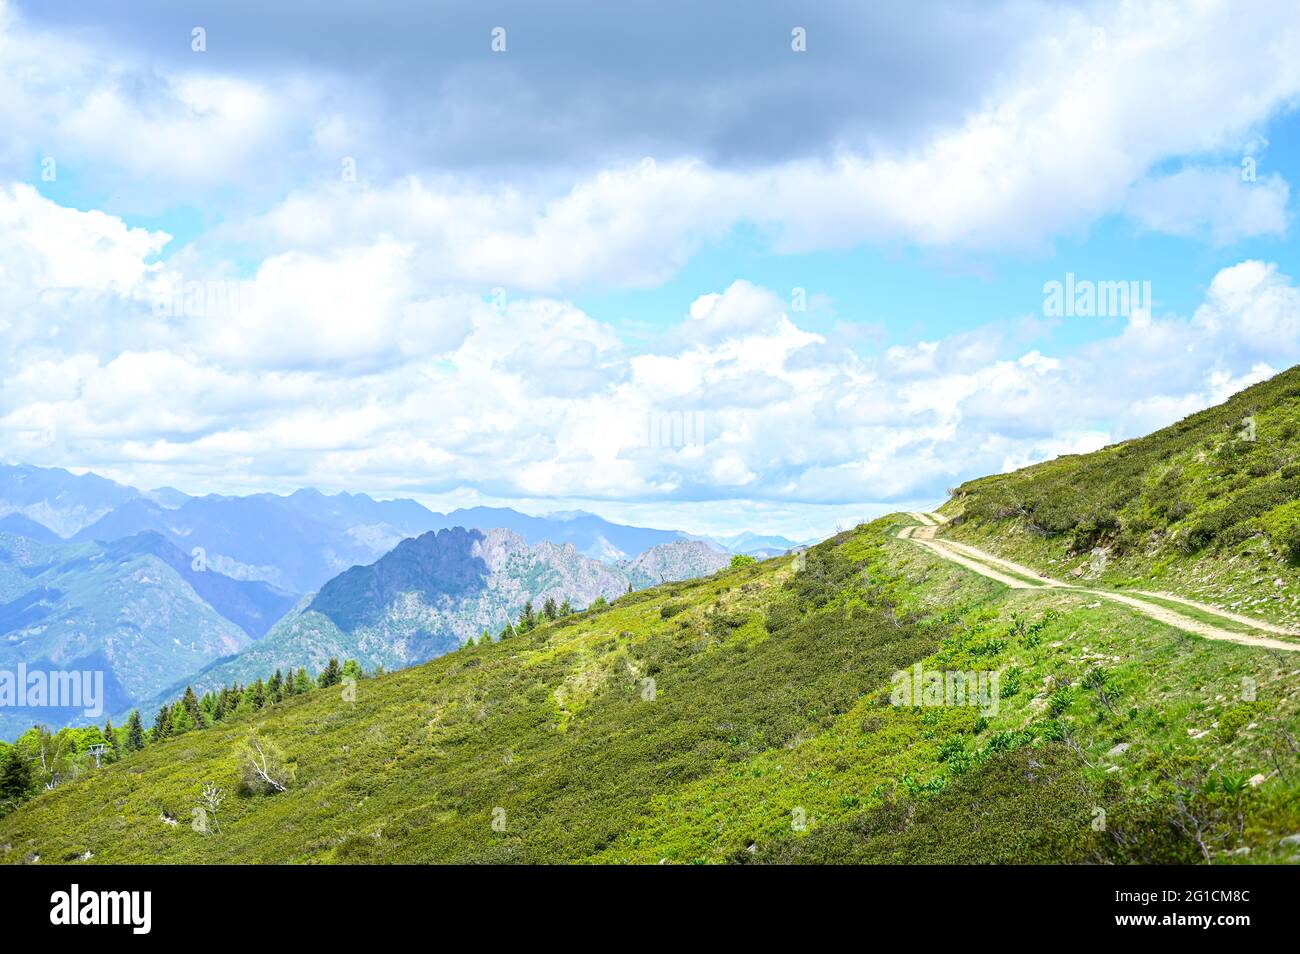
column 51, row 249
column 372, row 351
column 1218, row 203
column 539, row 400
column 1257, row 309
column 1073, row 134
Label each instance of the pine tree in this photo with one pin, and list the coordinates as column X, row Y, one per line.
column 190, row 702
column 566, row 608
column 301, row 682
column 182, row 721
column 162, row 724
column 527, row 619
column 257, row 694
column 330, row 676
column 352, row 670
column 275, row 688
column 549, row 609
column 134, row 732
column 110, row 737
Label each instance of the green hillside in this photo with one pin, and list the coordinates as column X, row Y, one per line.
column 756, row 716
column 744, row 717
column 1208, row 508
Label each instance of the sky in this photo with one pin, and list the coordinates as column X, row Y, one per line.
column 763, row 266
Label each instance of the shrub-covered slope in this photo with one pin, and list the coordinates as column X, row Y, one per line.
column 1208, row 508
column 746, row 717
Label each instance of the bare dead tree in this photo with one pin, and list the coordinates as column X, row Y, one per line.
column 210, row 801
column 262, row 767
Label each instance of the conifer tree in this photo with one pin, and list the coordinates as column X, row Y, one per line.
column 110, row 737
column 301, row 682
column 549, row 609
column 190, row 703
column 352, row 670
column 275, row 688
column 208, row 705
column 257, row 694
column 330, row 675
column 134, row 732
column 162, row 724
column 181, row 722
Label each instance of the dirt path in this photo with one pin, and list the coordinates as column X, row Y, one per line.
column 996, row 568
column 1226, row 614
column 922, row 539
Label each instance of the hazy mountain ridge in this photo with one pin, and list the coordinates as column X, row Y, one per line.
column 58, row 500
column 251, row 605
column 295, row 542
column 432, row 593
column 123, row 610
column 679, row 560
column 246, row 561
column 758, row 544
column 23, row 526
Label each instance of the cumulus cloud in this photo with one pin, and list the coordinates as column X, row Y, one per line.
column 48, row 248
column 143, row 138
column 413, row 330
column 1074, row 130
column 533, row 398
column 1218, row 203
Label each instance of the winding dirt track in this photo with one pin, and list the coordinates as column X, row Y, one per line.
column 1019, row 577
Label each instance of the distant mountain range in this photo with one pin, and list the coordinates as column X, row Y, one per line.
column 154, row 587
column 760, row 545
column 133, row 609
column 58, row 500
column 433, row 592
column 299, row 541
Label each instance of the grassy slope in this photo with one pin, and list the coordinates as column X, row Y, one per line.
column 1195, row 509
column 770, row 704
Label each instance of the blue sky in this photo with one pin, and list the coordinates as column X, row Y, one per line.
column 503, row 276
